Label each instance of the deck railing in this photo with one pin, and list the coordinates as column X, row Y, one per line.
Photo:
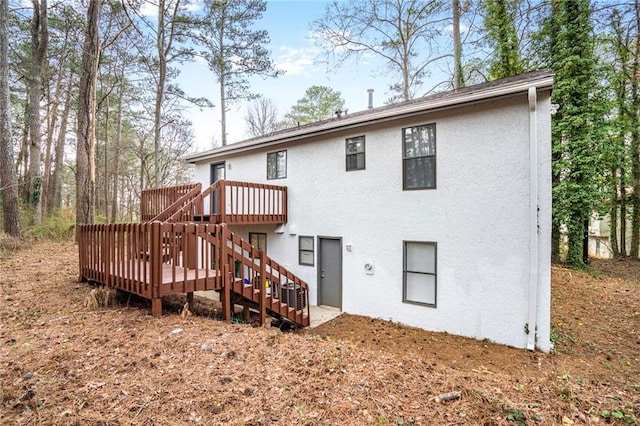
column 158, row 259
column 154, row 202
column 235, row 203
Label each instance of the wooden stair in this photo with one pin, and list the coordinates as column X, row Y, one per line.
column 184, row 245
column 159, row 259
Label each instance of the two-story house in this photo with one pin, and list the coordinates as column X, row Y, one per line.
column 434, row 212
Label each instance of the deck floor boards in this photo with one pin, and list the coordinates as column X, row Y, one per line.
column 178, row 278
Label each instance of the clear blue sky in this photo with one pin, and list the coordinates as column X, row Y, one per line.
column 288, row 23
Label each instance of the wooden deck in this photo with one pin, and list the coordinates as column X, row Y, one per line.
column 173, row 279
column 159, row 259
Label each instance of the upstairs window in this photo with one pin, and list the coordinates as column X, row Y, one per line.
column 419, row 157
column 420, row 273
column 277, row 165
column 355, row 153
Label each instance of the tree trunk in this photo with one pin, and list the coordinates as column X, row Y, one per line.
column 85, row 152
column 613, row 217
column 22, row 164
column 116, row 153
column 39, row 40
column 52, row 120
column 106, row 158
column 55, row 183
column 8, row 179
column 457, row 47
column 162, row 64
column 623, row 214
column 223, row 112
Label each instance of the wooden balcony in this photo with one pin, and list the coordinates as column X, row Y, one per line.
column 157, row 259
column 230, row 202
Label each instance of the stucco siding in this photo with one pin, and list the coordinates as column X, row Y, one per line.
column 478, row 215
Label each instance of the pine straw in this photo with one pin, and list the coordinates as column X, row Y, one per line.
column 62, row 363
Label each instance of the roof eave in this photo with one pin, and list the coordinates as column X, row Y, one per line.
column 540, row 83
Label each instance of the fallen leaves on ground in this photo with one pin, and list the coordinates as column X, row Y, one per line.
column 63, row 363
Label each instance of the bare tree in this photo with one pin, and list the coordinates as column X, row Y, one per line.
column 402, row 33
column 262, row 117
column 39, row 42
column 8, row 180
column 85, row 152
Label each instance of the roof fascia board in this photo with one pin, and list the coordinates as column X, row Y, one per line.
column 402, row 112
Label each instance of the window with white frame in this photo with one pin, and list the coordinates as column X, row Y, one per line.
column 419, row 157
column 420, row 273
column 277, row 165
column 355, row 153
column 305, row 250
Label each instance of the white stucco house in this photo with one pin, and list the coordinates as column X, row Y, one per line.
column 435, row 212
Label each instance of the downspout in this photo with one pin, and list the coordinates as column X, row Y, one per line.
column 533, row 219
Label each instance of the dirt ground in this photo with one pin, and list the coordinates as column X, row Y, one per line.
column 64, row 363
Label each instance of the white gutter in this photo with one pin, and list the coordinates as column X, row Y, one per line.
column 384, row 114
column 533, row 219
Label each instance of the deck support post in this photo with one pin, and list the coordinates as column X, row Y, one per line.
column 190, row 300
column 156, row 307
column 226, row 293
column 263, row 288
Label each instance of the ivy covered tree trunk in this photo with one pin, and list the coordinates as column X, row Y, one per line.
column 500, row 24
column 576, row 125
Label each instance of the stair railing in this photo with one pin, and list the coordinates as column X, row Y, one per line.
column 154, row 201
column 178, row 204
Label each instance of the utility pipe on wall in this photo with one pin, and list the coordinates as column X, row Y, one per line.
column 533, row 218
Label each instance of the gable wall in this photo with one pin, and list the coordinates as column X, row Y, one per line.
column 478, row 215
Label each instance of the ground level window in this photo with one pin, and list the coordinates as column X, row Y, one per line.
column 355, row 153
column 419, row 273
column 277, row 165
column 258, row 240
column 305, row 250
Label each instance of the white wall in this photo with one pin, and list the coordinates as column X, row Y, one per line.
column 478, row 215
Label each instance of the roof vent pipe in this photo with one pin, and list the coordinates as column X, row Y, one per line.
column 370, row 91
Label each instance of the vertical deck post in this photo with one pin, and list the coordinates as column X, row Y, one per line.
column 285, row 207
column 226, row 293
column 223, row 267
column 81, row 251
column 263, row 289
column 222, row 202
column 155, row 257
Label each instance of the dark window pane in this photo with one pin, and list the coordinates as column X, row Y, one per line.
column 271, row 166
column 355, row 162
column 277, row 165
column 420, row 173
